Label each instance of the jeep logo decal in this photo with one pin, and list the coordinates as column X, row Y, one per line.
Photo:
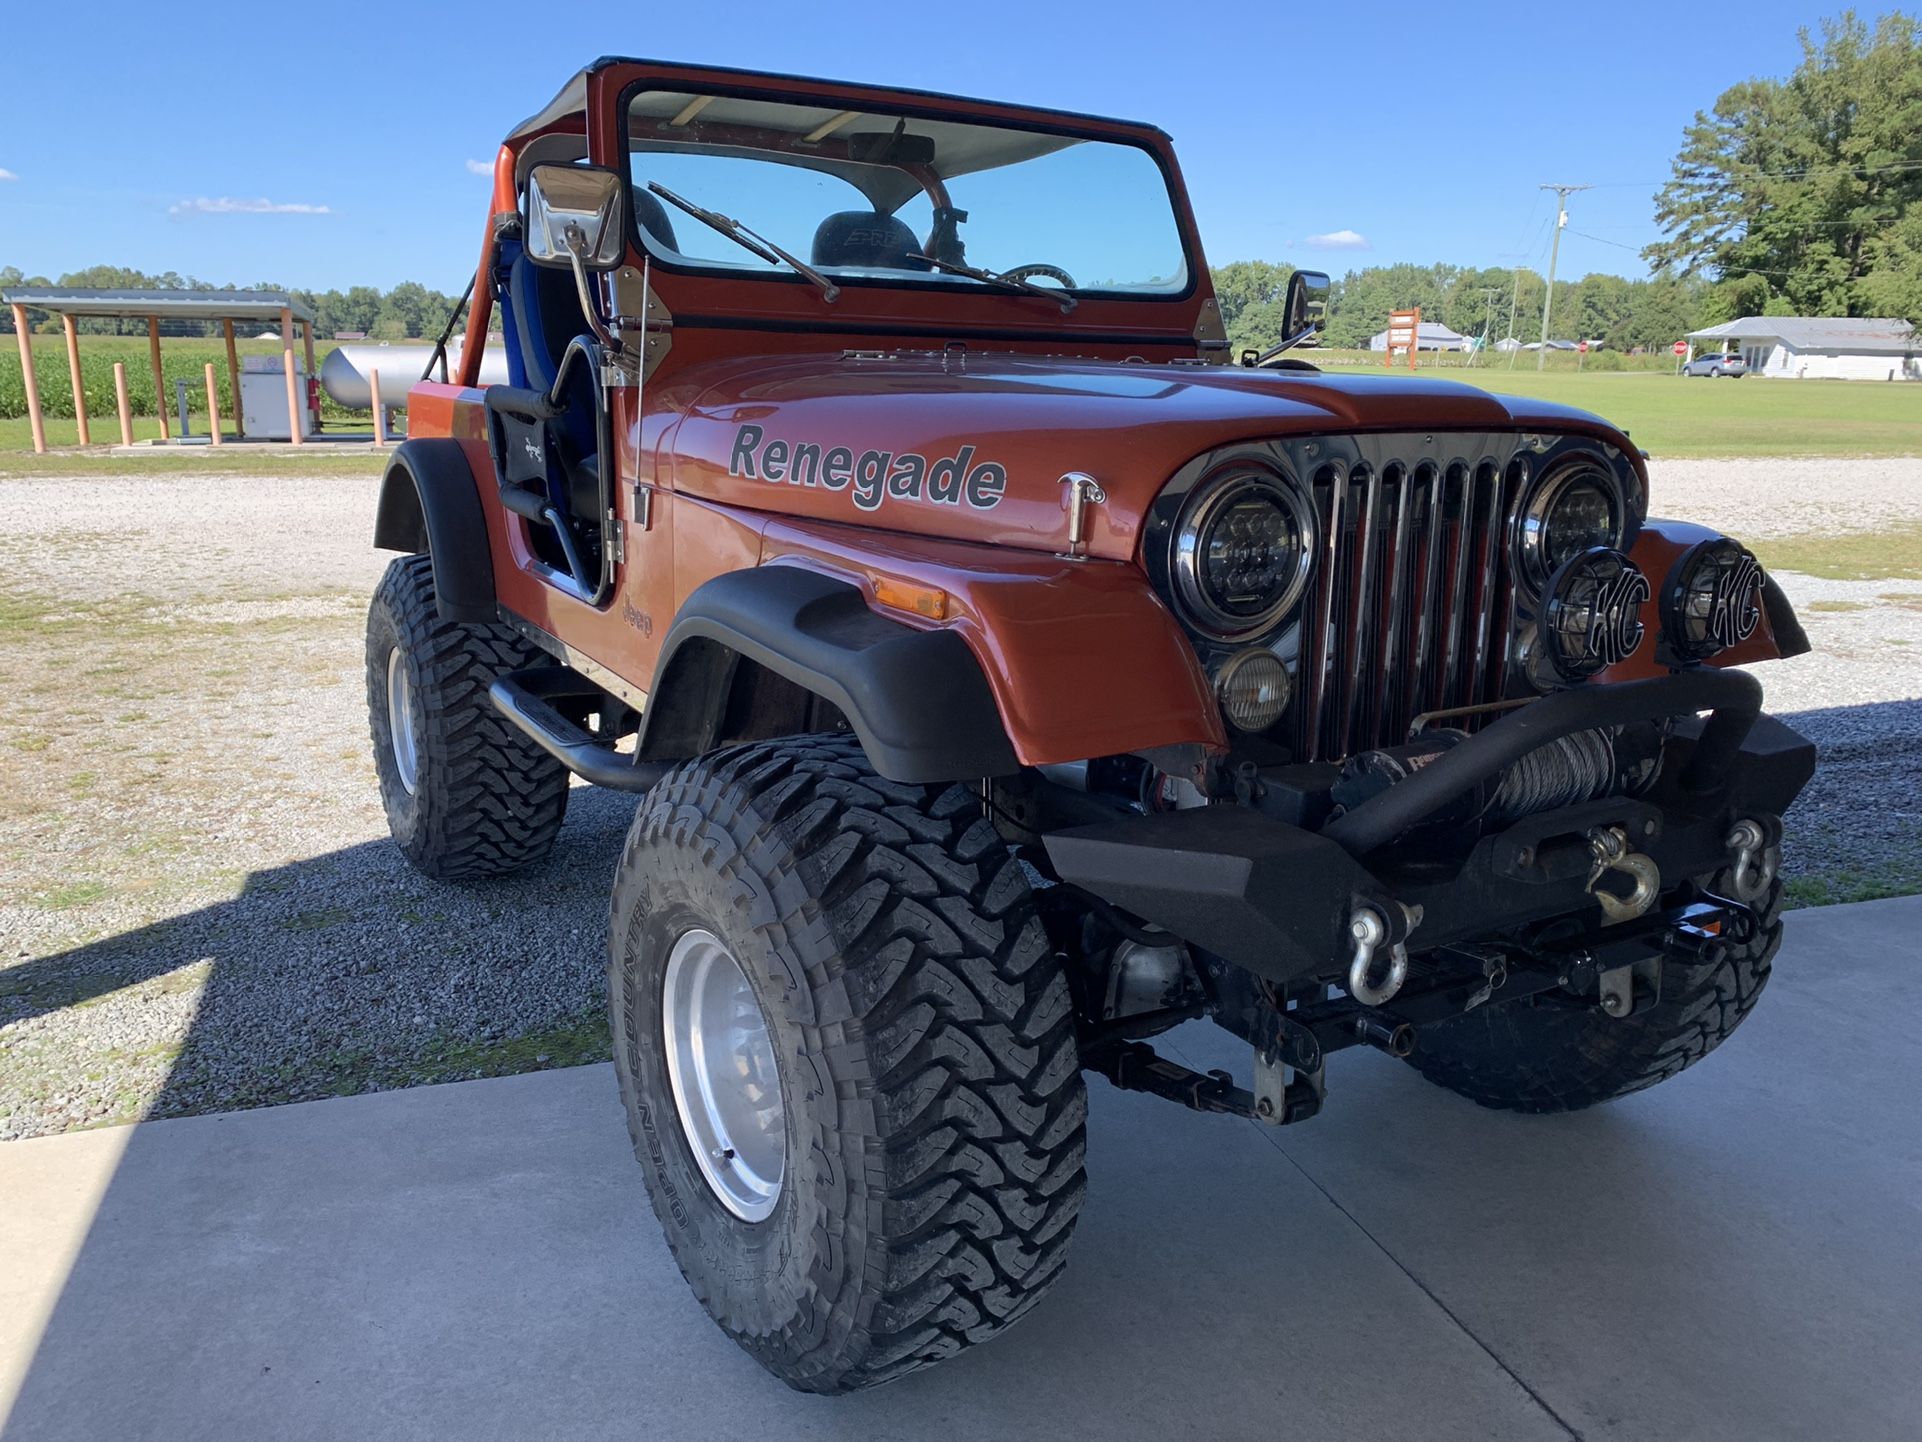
column 875, row 476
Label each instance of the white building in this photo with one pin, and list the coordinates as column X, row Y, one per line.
column 1800, row 347
column 1433, row 336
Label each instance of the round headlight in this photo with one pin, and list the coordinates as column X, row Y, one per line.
column 1253, row 689
column 1593, row 616
column 1712, row 599
column 1241, row 554
column 1573, row 510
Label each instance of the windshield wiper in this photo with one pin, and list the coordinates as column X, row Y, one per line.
column 760, row 245
column 989, row 277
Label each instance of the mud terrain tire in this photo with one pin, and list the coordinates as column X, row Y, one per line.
column 484, row 800
column 1557, row 1058
column 933, row 1106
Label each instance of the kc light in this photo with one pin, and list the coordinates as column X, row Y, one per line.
column 1253, row 689
column 1593, row 616
column 1241, row 554
column 1573, row 510
column 1712, row 599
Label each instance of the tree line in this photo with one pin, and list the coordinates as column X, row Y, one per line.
column 1621, row 314
column 408, row 311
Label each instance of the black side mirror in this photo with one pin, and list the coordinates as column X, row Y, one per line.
column 1306, row 307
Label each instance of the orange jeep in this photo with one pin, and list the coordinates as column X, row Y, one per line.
column 1005, row 673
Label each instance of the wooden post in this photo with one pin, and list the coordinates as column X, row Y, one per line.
column 26, row 376
column 120, row 401
column 159, row 381
column 213, row 405
column 233, row 374
column 307, row 331
column 380, row 411
column 73, row 370
column 287, row 368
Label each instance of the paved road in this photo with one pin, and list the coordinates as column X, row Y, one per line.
column 1734, row 1255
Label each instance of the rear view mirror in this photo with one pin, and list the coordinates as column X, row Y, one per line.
column 1306, row 308
column 574, row 212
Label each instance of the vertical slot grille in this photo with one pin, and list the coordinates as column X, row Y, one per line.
column 1411, row 606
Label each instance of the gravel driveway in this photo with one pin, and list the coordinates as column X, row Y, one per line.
column 199, row 908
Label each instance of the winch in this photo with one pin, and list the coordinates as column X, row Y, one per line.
column 1583, row 766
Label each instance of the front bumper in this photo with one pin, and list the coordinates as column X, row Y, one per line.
column 1278, row 899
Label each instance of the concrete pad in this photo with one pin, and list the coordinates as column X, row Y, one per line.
column 480, row 1260
column 1731, row 1255
column 1736, row 1253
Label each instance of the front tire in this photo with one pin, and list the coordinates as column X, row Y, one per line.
column 930, row 1104
column 466, row 794
column 1554, row 1057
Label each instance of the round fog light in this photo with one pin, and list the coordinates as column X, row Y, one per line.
column 1593, row 618
column 1712, row 599
column 1253, row 689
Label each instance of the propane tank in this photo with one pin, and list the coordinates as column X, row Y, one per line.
column 343, row 375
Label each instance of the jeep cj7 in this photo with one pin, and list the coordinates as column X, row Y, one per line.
column 1007, row 674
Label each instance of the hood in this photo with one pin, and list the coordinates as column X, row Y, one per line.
column 974, row 446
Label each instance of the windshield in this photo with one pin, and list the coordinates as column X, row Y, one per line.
column 861, row 195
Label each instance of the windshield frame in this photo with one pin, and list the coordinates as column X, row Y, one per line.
column 894, row 104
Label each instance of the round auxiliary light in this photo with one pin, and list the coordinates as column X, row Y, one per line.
column 1575, row 508
column 1241, row 554
column 1253, row 689
column 1712, row 599
column 1593, row 615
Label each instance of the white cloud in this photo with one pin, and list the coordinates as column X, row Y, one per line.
column 1337, row 240
column 229, row 205
column 8, row 175
column 479, row 167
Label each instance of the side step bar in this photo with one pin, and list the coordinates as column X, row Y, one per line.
column 526, row 698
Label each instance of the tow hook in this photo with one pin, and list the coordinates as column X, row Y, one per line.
column 1750, row 871
column 1369, row 928
column 1608, row 845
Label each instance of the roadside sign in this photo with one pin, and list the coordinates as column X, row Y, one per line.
column 1582, row 346
column 1680, row 347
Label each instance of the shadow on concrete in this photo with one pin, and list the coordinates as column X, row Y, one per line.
column 1731, row 1254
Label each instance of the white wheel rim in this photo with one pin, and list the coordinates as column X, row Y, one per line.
column 400, row 720
column 720, row 1061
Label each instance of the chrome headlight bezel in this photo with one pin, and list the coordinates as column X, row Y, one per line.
column 1210, row 502
column 1535, row 551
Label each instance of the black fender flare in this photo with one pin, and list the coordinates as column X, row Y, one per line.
column 430, row 501
column 917, row 700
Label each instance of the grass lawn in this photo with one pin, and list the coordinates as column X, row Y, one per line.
column 1672, row 417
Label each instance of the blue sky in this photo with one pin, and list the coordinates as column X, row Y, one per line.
column 159, row 137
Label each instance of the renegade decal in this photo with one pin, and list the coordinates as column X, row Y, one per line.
column 874, row 475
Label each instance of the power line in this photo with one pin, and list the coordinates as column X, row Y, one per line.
column 1801, row 174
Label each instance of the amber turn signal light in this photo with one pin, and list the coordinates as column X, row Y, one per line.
column 928, row 601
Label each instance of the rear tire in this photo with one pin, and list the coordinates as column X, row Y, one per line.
column 920, row 1025
column 466, row 793
column 1557, row 1058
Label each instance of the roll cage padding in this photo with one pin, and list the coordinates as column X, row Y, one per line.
column 429, row 502
column 917, row 699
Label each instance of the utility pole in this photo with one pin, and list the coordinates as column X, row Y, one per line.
column 1562, row 192
column 1514, row 299
column 1489, row 292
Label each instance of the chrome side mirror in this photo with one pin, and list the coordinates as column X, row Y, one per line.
column 1306, row 308
column 1304, row 311
column 574, row 215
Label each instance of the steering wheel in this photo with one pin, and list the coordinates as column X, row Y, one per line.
column 1029, row 272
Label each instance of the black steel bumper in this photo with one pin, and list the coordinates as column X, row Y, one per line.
column 1277, row 899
